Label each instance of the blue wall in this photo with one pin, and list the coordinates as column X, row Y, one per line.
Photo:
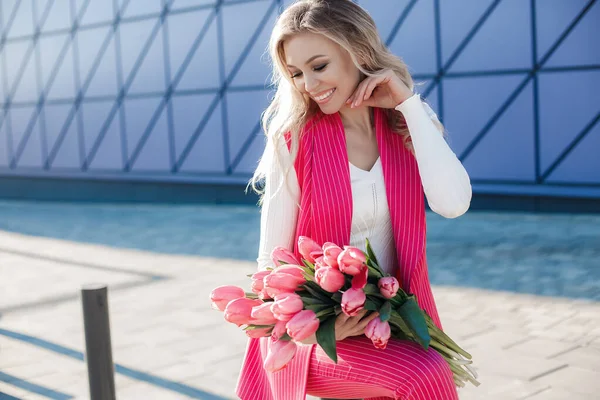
column 170, row 91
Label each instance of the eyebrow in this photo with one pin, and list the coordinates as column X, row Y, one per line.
column 310, row 59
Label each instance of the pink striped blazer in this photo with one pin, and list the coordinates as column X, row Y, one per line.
column 326, row 215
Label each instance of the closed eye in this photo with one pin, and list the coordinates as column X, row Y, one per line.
column 320, row 68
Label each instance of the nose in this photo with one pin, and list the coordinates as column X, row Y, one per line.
column 310, row 83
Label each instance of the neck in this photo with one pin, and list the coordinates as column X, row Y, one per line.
column 358, row 120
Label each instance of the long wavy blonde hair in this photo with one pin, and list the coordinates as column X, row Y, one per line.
column 351, row 27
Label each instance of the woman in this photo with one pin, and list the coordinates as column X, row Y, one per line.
column 350, row 152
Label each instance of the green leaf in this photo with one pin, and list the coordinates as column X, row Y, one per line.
column 311, row 301
column 285, row 337
column 371, row 253
column 326, row 338
column 251, row 327
column 308, row 265
column 412, row 314
column 337, row 297
column 385, row 311
column 251, row 295
column 314, row 289
column 318, row 307
column 370, row 305
column 371, row 288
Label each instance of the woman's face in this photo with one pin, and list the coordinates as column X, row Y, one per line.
column 321, row 69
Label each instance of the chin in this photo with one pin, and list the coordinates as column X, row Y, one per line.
column 329, row 109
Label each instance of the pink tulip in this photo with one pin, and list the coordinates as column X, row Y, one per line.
column 331, row 252
column 379, row 332
column 239, row 311
column 388, row 286
column 222, row 295
column 262, row 315
column 286, row 305
column 352, row 260
column 320, row 263
column 280, row 254
column 257, row 281
column 280, row 354
column 309, row 249
column 302, row 325
column 353, row 300
column 283, row 279
column 258, row 333
column 359, row 280
column 278, row 330
column 330, row 279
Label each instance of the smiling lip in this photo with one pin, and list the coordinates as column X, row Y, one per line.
column 325, row 100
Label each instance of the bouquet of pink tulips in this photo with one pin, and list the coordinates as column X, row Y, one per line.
column 298, row 298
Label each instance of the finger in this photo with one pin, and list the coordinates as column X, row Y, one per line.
column 341, row 319
column 369, row 90
column 361, row 92
column 365, row 321
column 353, row 321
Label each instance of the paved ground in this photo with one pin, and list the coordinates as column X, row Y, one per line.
column 169, row 344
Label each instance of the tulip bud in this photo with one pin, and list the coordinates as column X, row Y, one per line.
column 302, row 325
column 280, row 354
column 330, row 279
column 222, row 295
column 283, row 279
column 286, row 305
column 320, row 263
column 353, row 300
column 239, row 311
column 309, row 249
column 280, row 254
column 257, row 281
column 379, row 332
column 388, row 286
column 262, row 315
column 352, row 261
column 331, row 252
column 278, row 330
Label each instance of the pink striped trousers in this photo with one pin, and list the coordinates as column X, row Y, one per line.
column 404, row 370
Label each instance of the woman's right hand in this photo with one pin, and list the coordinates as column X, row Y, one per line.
column 346, row 326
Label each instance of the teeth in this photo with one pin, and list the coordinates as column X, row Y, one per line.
column 326, row 95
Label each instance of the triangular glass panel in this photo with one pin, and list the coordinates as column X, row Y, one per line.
column 68, row 155
column 498, row 44
column 154, row 155
column 415, row 40
column 581, row 46
column 561, row 117
column 184, row 30
column 109, row 154
column 469, row 104
column 59, row 70
column 507, row 151
column 240, row 22
column 150, row 76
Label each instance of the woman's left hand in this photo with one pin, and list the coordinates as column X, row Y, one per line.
column 384, row 90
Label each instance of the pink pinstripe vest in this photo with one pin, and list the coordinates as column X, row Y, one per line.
column 326, row 215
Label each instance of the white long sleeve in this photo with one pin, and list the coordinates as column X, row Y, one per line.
column 445, row 181
column 279, row 209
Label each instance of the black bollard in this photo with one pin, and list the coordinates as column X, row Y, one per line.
column 101, row 370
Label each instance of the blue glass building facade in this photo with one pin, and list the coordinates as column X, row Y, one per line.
column 168, row 91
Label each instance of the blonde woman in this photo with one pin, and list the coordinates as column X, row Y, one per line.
column 351, row 151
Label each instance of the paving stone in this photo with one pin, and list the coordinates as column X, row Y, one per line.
column 540, row 347
column 575, row 380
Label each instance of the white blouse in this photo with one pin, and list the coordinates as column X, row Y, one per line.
column 445, row 182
